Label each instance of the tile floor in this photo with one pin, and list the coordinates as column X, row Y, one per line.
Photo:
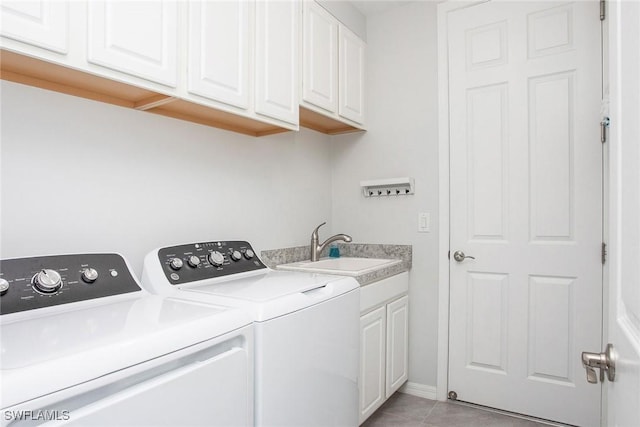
column 405, row 410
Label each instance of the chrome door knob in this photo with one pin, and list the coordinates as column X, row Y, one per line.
column 460, row 256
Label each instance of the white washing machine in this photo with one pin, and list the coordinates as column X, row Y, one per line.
column 306, row 327
column 82, row 344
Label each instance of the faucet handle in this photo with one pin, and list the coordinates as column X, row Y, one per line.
column 315, row 231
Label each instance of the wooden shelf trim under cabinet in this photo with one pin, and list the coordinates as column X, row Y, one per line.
column 30, row 71
column 321, row 123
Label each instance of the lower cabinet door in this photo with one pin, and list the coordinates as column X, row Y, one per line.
column 372, row 361
column 397, row 344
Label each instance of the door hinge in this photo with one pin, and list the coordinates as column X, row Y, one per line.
column 602, row 10
column 603, row 253
column 604, row 124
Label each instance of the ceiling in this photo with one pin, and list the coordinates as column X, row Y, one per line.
column 372, row 7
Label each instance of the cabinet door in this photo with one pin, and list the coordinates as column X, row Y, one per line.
column 135, row 37
column 320, row 57
column 372, row 362
column 219, row 51
column 277, row 60
column 397, row 344
column 351, row 71
column 39, row 23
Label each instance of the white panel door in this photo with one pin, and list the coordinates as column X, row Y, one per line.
column 277, row 60
column 624, row 294
column 320, row 57
column 526, row 202
column 39, row 23
column 351, row 76
column 397, row 344
column 135, row 37
column 372, row 362
column 219, row 42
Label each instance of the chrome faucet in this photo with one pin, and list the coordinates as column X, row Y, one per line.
column 317, row 248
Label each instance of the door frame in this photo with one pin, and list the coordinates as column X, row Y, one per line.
column 444, row 199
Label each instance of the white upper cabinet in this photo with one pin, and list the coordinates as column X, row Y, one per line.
column 333, row 67
column 232, row 64
column 351, row 71
column 320, row 58
column 218, row 51
column 277, row 60
column 135, row 37
column 39, row 23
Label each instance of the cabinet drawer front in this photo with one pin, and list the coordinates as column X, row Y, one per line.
column 219, row 51
column 277, row 60
column 385, row 290
column 39, row 23
column 138, row 38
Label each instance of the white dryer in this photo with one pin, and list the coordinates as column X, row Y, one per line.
column 306, row 327
column 82, row 344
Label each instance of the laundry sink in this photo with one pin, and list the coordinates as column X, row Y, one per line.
column 342, row 266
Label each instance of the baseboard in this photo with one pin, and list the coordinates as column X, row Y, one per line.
column 420, row 390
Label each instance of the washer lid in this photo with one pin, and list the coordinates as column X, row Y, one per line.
column 272, row 294
column 268, row 286
column 69, row 347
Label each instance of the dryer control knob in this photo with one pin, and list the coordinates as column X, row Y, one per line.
column 216, row 258
column 175, row 263
column 89, row 275
column 248, row 254
column 4, row 286
column 47, row 281
column 236, row 255
column 194, row 261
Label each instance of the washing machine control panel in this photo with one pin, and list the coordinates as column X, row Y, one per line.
column 200, row 261
column 38, row 282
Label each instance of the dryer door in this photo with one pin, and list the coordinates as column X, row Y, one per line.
column 211, row 386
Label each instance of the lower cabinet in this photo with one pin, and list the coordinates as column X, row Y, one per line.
column 372, row 361
column 397, row 344
column 384, row 342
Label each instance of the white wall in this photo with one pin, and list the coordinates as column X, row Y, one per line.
column 78, row 175
column 401, row 141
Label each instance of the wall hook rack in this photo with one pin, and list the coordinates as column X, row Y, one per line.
column 387, row 187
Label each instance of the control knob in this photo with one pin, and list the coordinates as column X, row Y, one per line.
column 47, row 281
column 4, row 286
column 89, row 275
column 194, row 261
column 175, row 263
column 248, row 254
column 216, row 258
column 236, row 255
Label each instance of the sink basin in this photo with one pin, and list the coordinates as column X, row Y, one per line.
column 342, row 266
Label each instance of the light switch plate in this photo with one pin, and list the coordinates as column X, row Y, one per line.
column 424, row 222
